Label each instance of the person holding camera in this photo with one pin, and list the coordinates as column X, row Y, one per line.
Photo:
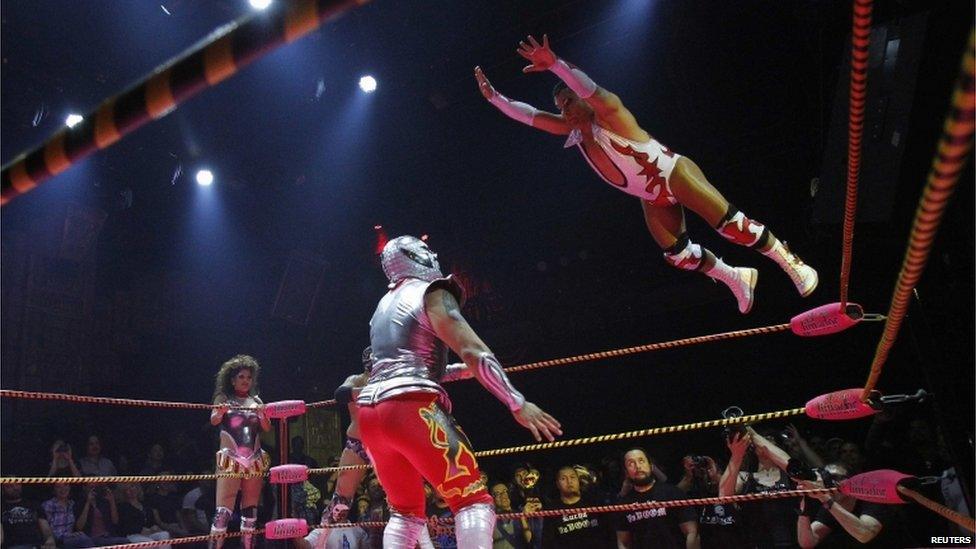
column 769, row 523
column 62, row 461
column 857, row 523
column 240, row 445
column 99, row 516
column 718, row 524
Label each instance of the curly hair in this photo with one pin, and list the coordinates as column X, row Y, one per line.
column 223, row 386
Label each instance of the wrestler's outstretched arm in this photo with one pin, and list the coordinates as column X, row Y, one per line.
column 517, row 110
column 609, row 108
column 445, row 317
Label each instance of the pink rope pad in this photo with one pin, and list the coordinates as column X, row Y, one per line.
column 875, row 486
column 839, row 405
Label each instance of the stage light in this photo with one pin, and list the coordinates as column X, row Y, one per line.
column 73, row 120
column 205, row 178
column 259, row 4
column 367, row 84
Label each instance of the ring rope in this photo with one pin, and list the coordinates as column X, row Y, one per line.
column 481, row 453
column 860, row 42
column 126, row 479
column 137, row 403
column 178, row 541
column 962, row 520
column 642, row 432
column 675, row 343
column 640, row 506
column 625, row 351
column 610, row 437
column 953, row 150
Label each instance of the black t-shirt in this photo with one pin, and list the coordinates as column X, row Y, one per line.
column 656, row 528
column 20, row 523
column 891, row 534
column 132, row 519
column 583, row 530
column 168, row 506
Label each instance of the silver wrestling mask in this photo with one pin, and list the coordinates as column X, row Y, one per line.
column 409, row 257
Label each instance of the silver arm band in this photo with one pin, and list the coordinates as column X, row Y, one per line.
column 491, row 375
column 574, row 78
column 516, row 110
column 456, row 372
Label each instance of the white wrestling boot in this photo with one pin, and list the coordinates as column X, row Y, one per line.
column 804, row 277
column 741, row 280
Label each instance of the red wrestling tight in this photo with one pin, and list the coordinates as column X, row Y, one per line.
column 411, row 438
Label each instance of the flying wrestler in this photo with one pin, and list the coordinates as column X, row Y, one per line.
column 404, row 412
column 628, row 158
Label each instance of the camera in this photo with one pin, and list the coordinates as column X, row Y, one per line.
column 730, row 431
column 798, row 470
column 62, row 448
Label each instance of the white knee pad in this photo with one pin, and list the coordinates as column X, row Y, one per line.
column 474, row 525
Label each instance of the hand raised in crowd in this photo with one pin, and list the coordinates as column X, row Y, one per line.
column 540, row 55
column 739, row 444
column 538, row 422
column 484, row 86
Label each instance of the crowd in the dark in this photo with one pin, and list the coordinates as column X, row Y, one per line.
column 764, row 458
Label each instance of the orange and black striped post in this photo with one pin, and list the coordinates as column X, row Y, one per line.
column 860, row 42
column 953, row 151
column 205, row 64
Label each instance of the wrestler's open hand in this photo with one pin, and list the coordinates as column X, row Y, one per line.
column 484, row 86
column 538, row 422
column 540, row 55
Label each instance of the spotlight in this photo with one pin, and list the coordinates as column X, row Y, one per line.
column 367, row 84
column 259, row 4
column 204, row 178
column 73, row 120
column 377, row 227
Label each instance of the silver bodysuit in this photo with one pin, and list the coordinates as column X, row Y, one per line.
column 408, row 357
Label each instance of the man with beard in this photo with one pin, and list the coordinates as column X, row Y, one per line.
column 579, row 529
column 653, row 528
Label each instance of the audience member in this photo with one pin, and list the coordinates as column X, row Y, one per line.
column 23, row 522
column 768, row 523
column 62, row 461
column 509, row 533
column 657, row 528
column 60, row 513
column 165, row 504
column 575, row 530
column 155, row 461
column 136, row 521
column 93, row 464
column 718, row 524
column 98, row 515
column 845, row 521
